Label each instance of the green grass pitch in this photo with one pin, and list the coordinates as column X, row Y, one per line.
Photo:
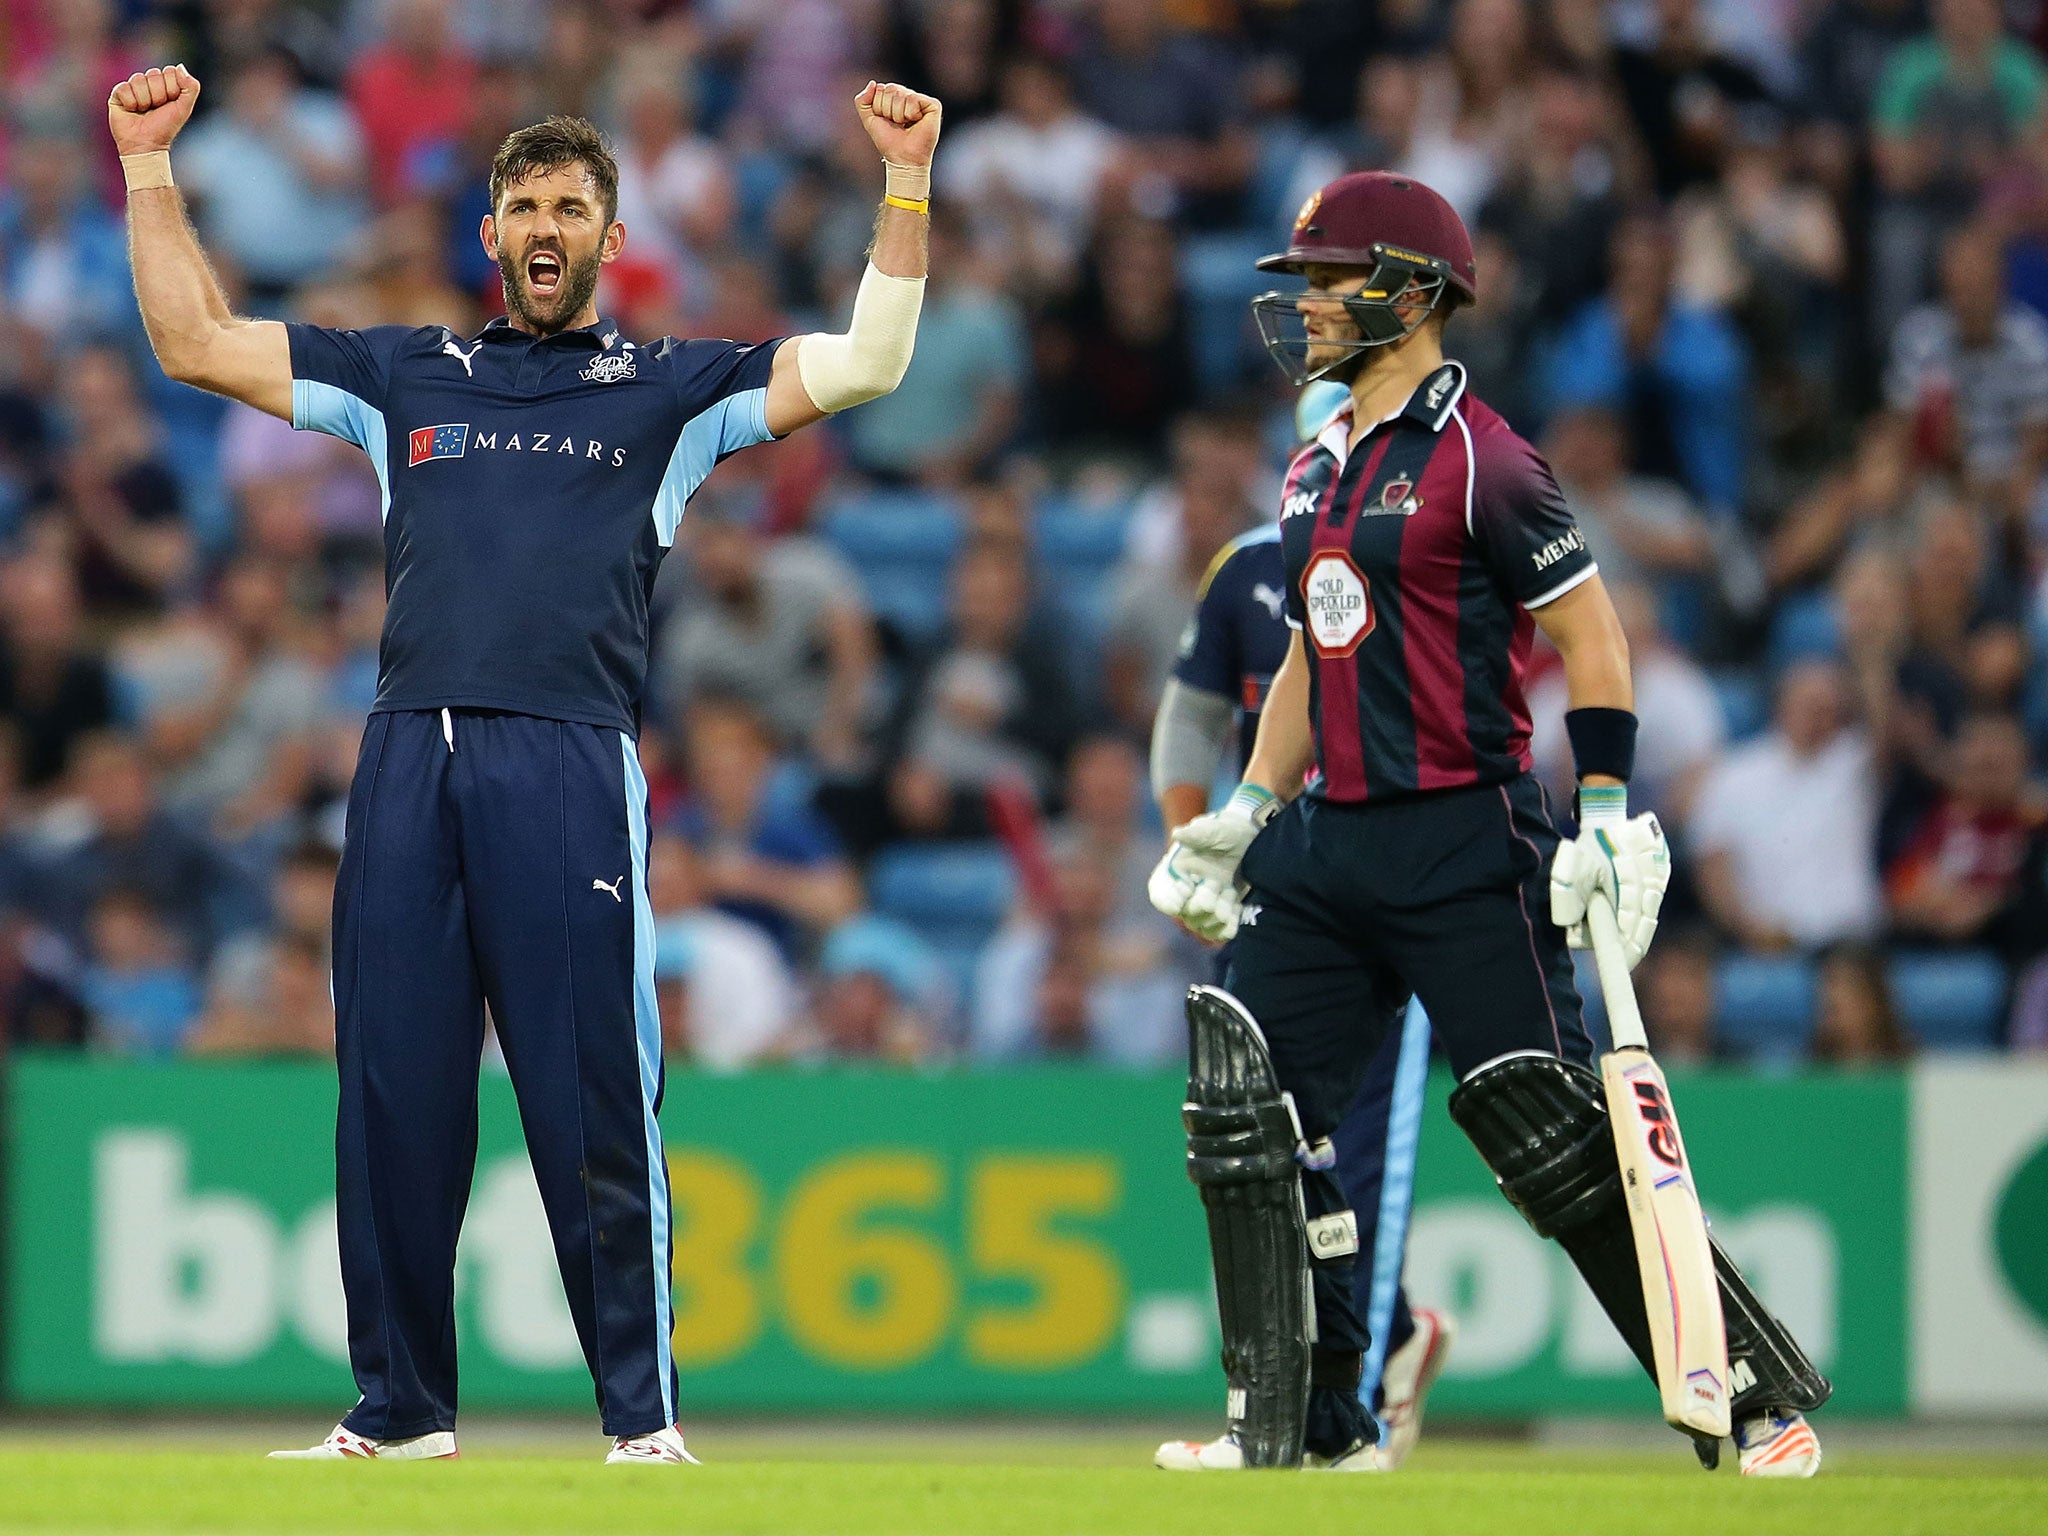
column 1038, row 1486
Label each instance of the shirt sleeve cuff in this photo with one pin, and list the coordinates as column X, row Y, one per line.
column 1573, row 580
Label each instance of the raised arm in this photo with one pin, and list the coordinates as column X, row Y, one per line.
column 197, row 339
column 819, row 374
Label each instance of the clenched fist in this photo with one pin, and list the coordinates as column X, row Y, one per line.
column 903, row 124
column 147, row 110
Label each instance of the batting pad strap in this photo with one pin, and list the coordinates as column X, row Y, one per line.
column 144, row 171
column 870, row 358
column 1339, row 1369
column 1603, row 741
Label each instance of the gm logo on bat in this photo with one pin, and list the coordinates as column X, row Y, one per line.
column 1659, row 1131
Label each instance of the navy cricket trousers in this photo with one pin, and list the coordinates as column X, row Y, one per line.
column 501, row 860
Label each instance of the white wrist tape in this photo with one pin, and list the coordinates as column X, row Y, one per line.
column 868, row 361
column 911, row 181
column 150, row 169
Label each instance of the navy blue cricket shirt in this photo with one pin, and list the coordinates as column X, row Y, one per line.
column 531, row 486
column 1238, row 636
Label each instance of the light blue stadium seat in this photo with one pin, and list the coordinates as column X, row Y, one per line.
column 1764, row 1006
column 1219, row 275
column 954, row 894
column 902, row 544
column 1950, row 1001
column 1745, row 703
column 894, row 525
column 1070, row 535
column 1804, row 627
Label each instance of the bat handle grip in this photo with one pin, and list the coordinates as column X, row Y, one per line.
column 1624, row 1018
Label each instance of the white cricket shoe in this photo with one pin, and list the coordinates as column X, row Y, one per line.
column 1360, row 1458
column 1223, row 1454
column 347, row 1445
column 662, row 1448
column 1410, row 1372
column 1774, row 1444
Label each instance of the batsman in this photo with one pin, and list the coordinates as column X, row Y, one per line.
column 1424, row 543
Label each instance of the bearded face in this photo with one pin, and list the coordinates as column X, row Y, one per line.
column 549, row 231
column 547, row 286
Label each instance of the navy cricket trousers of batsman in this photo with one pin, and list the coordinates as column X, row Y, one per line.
column 501, row 860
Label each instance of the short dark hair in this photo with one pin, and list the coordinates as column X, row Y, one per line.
column 550, row 145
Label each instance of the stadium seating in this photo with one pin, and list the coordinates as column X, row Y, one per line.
column 1947, row 1001
column 1950, row 1001
column 902, row 545
column 1745, row 703
column 1078, row 550
column 1804, row 627
column 947, row 891
column 1221, row 278
column 1765, row 1007
column 954, row 895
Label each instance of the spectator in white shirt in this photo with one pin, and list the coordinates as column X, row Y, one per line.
column 1030, row 177
column 1784, row 832
column 675, row 188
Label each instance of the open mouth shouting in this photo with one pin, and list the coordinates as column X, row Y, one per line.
column 544, row 273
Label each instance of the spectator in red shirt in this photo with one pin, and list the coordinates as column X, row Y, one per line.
column 1963, row 862
column 410, row 90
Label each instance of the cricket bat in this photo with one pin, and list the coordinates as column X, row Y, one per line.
column 1680, row 1291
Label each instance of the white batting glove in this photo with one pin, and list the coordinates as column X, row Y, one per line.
column 1196, row 884
column 1622, row 855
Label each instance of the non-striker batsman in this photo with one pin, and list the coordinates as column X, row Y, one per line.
column 1424, row 544
column 533, row 477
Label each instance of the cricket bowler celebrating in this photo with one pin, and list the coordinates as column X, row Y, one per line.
column 1423, row 543
column 533, row 477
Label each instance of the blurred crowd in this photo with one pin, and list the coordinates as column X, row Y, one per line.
column 1765, row 279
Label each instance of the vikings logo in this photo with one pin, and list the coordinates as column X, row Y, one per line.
column 610, row 368
column 1308, row 210
column 1399, row 498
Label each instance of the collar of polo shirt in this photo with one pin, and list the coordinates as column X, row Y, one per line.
column 502, row 329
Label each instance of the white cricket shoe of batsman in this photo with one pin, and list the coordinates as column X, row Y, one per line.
column 1624, row 856
column 346, row 1445
column 1196, row 884
column 664, row 1447
column 1223, row 1454
column 1774, row 1444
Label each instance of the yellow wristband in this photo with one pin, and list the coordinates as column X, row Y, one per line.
column 922, row 205
column 149, row 169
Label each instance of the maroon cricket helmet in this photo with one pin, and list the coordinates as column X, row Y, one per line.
column 1362, row 219
column 1410, row 243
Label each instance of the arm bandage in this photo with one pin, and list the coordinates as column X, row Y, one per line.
column 869, row 359
column 152, row 168
column 1188, row 736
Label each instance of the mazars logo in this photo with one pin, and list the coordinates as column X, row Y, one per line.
column 454, row 440
column 446, row 441
column 1338, row 602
